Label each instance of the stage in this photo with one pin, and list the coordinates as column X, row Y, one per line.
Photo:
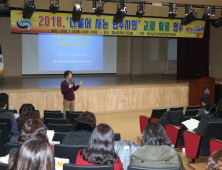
column 99, row 94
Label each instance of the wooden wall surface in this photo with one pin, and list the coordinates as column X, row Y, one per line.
column 103, row 100
column 11, row 48
column 215, row 60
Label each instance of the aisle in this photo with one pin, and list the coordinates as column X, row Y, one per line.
column 125, row 123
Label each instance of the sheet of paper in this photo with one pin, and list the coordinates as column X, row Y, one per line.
column 56, row 142
column 4, row 159
column 59, row 163
column 50, row 134
column 191, row 124
column 16, row 115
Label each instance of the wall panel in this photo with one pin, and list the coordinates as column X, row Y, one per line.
column 105, row 99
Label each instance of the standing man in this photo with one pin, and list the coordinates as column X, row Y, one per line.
column 67, row 88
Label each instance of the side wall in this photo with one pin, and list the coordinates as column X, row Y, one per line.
column 215, row 52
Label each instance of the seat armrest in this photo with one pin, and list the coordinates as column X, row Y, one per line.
column 215, row 145
column 154, row 120
column 216, row 140
column 143, row 122
column 176, row 127
column 145, row 116
column 192, row 143
column 172, row 132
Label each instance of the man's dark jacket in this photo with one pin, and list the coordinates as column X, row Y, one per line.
column 171, row 117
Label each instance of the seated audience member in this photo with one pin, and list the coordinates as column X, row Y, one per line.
column 23, row 117
column 204, row 100
column 34, row 154
column 156, row 151
column 210, row 116
column 82, row 131
column 219, row 108
column 26, row 107
column 32, row 128
column 5, row 113
column 100, row 150
column 215, row 161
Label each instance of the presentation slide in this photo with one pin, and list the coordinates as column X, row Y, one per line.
column 70, row 52
column 80, row 53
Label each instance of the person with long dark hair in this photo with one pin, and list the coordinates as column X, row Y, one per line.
column 156, row 150
column 22, row 119
column 33, row 128
column 100, row 150
column 34, row 153
column 210, row 116
column 82, row 131
column 215, row 161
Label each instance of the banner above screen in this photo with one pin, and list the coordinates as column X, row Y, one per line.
column 46, row 22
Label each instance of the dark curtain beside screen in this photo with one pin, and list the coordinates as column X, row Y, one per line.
column 193, row 56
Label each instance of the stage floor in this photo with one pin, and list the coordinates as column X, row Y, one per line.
column 106, row 81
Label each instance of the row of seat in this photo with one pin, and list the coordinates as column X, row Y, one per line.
column 100, row 167
column 53, row 119
column 187, row 108
column 195, row 144
column 58, row 136
column 49, row 118
column 157, row 113
column 15, row 111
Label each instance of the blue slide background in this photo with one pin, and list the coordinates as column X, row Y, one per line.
column 59, row 52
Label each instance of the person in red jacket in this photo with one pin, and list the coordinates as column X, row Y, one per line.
column 67, row 88
column 100, row 150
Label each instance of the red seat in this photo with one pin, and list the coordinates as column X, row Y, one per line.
column 155, row 115
column 192, row 141
column 215, row 145
column 172, row 132
column 197, row 144
column 143, row 122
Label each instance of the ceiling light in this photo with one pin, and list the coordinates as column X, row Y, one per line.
column 54, row 6
column 189, row 18
column 213, row 10
column 77, row 12
column 121, row 12
column 28, row 9
column 172, row 13
column 141, row 10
